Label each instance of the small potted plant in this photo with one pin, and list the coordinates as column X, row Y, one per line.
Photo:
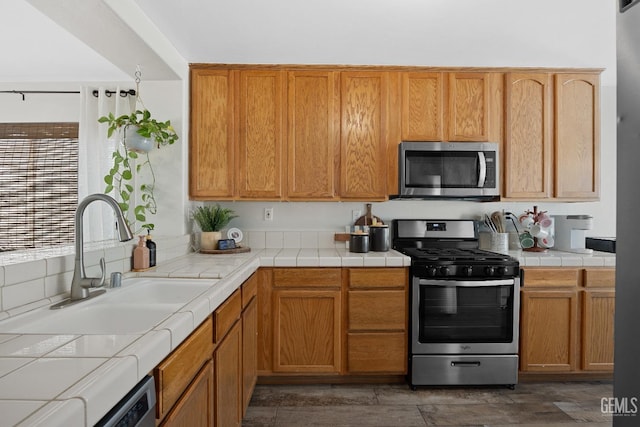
column 211, row 219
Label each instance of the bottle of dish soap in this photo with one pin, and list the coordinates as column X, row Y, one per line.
column 141, row 255
column 152, row 250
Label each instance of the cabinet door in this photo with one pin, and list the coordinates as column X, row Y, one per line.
column 468, row 113
column 249, row 352
column 228, row 379
column 260, row 141
column 307, row 330
column 423, row 106
column 598, row 308
column 211, row 152
column 527, row 154
column 313, row 135
column 194, row 408
column 363, row 138
column 577, row 139
column 548, row 330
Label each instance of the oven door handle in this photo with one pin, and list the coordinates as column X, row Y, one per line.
column 466, row 283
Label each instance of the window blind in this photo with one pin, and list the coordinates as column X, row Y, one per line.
column 38, row 184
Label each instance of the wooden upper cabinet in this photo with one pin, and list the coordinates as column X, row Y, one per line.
column 528, row 135
column 468, row 112
column 577, row 143
column 260, row 140
column 313, row 142
column 211, row 143
column 363, row 138
column 423, row 106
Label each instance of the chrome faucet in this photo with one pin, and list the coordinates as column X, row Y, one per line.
column 80, row 283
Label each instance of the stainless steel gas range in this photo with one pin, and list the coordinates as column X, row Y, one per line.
column 464, row 305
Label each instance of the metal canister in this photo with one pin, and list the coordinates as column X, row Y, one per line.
column 359, row 242
column 379, row 237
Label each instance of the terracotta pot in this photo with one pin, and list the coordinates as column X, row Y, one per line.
column 209, row 240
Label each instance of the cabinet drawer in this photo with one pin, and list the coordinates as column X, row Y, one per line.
column 551, row 277
column 600, row 277
column 377, row 278
column 377, row 310
column 226, row 315
column 249, row 289
column 307, row 277
column 377, row 352
column 175, row 373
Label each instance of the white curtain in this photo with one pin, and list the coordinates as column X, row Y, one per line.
column 94, row 160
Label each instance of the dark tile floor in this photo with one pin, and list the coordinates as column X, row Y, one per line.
column 529, row 405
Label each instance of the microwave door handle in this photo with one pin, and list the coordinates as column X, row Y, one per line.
column 483, row 169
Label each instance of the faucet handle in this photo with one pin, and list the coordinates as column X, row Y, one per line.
column 97, row 282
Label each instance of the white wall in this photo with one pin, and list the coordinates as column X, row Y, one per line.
column 164, row 99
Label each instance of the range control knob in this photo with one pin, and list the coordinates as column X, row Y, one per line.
column 467, row 270
column 445, row 271
column 431, row 271
column 490, row 270
column 502, row 271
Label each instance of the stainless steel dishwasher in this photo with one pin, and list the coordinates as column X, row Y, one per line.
column 137, row 408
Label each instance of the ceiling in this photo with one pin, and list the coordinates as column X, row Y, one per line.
column 106, row 40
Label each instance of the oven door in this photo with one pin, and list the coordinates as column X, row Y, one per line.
column 465, row 316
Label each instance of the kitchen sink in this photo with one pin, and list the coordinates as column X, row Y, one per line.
column 135, row 308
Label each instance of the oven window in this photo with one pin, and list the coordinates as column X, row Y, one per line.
column 442, row 169
column 457, row 314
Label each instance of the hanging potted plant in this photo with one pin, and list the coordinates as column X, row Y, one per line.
column 212, row 219
column 140, row 133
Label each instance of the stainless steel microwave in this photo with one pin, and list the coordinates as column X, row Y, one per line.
column 455, row 170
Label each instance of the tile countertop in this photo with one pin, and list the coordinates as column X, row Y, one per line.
column 57, row 380
column 61, row 380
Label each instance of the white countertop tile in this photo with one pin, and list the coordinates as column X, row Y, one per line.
column 14, row 411
column 52, row 377
column 58, row 413
column 149, row 350
column 98, row 391
column 180, row 325
column 93, row 346
column 10, row 364
column 33, row 345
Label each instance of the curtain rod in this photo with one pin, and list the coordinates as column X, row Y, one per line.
column 108, row 93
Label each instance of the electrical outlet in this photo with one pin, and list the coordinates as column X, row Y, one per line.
column 268, row 214
column 355, row 214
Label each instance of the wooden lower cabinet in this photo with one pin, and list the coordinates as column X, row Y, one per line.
column 567, row 320
column 306, row 330
column 174, row 374
column 377, row 321
column 332, row 321
column 227, row 360
column 549, row 328
column 249, row 351
column 194, row 407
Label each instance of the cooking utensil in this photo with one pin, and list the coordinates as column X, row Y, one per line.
column 498, row 220
column 367, row 218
